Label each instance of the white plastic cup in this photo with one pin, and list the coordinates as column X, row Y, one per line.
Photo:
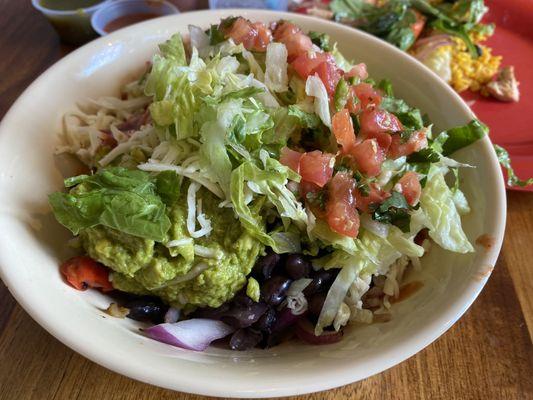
column 116, row 9
column 280, row 5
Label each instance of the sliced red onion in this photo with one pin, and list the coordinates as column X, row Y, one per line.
column 172, row 315
column 285, row 319
column 193, row 334
column 433, row 38
column 306, row 332
column 431, row 44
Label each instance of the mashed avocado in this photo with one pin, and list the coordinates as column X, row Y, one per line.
column 176, row 274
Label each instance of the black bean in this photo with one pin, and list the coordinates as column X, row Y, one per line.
column 147, row 309
column 242, row 316
column 210, row 312
column 244, row 339
column 274, row 289
column 284, row 320
column 297, row 266
column 315, row 304
column 242, row 298
column 267, row 320
column 265, row 265
column 322, row 280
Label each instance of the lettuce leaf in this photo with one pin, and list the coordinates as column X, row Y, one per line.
column 463, row 136
column 214, row 152
column 505, row 161
column 322, row 40
column 351, row 266
column 315, row 88
column 322, row 231
column 168, row 186
column 441, row 215
column 173, row 49
column 115, row 197
column 276, row 78
column 267, row 185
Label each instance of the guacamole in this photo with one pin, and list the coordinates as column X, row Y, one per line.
column 176, row 274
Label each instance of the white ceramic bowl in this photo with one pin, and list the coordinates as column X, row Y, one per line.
column 32, row 244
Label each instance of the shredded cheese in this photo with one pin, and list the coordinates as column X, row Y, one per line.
column 189, row 172
column 206, row 252
column 180, row 242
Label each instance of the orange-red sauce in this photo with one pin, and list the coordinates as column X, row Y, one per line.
column 486, row 241
column 407, row 290
column 129, row 19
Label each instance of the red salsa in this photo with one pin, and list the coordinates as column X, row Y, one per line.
column 129, row 19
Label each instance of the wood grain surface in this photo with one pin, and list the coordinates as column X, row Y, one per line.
column 488, row 354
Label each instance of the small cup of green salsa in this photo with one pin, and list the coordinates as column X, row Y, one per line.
column 70, row 18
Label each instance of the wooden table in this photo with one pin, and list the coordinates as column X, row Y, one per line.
column 488, row 354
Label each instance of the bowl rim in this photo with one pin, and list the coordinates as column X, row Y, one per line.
column 396, row 354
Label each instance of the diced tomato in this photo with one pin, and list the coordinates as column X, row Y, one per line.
column 368, row 157
column 342, row 216
column 316, row 167
column 293, row 38
column 291, row 159
column 83, row 272
column 254, row 36
column 306, row 63
column 416, row 142
column 264, row 36
column 321, row 64
column 241, row 31
column 330, row 75
column 359, row 71
column 314, row 198
column 375, row 196
column 410, row 187
column 378, row 124
column 342, row 127
column 367, row 95
column 285, row 28
column 353, row 104
column 297, row 44
column 419, row 23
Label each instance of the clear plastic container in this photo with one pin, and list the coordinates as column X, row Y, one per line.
column 280, row 5
column 72, row 26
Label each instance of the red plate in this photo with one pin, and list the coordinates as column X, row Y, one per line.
column 511, row 124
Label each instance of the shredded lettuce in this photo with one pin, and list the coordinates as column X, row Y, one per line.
column 214, row 152
column 341, row 62
column 442, row 217
column 174, row 50
column 268, row 184
column 315, row 88
column 373, row 255
column 276, row 78
column 322, row 231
